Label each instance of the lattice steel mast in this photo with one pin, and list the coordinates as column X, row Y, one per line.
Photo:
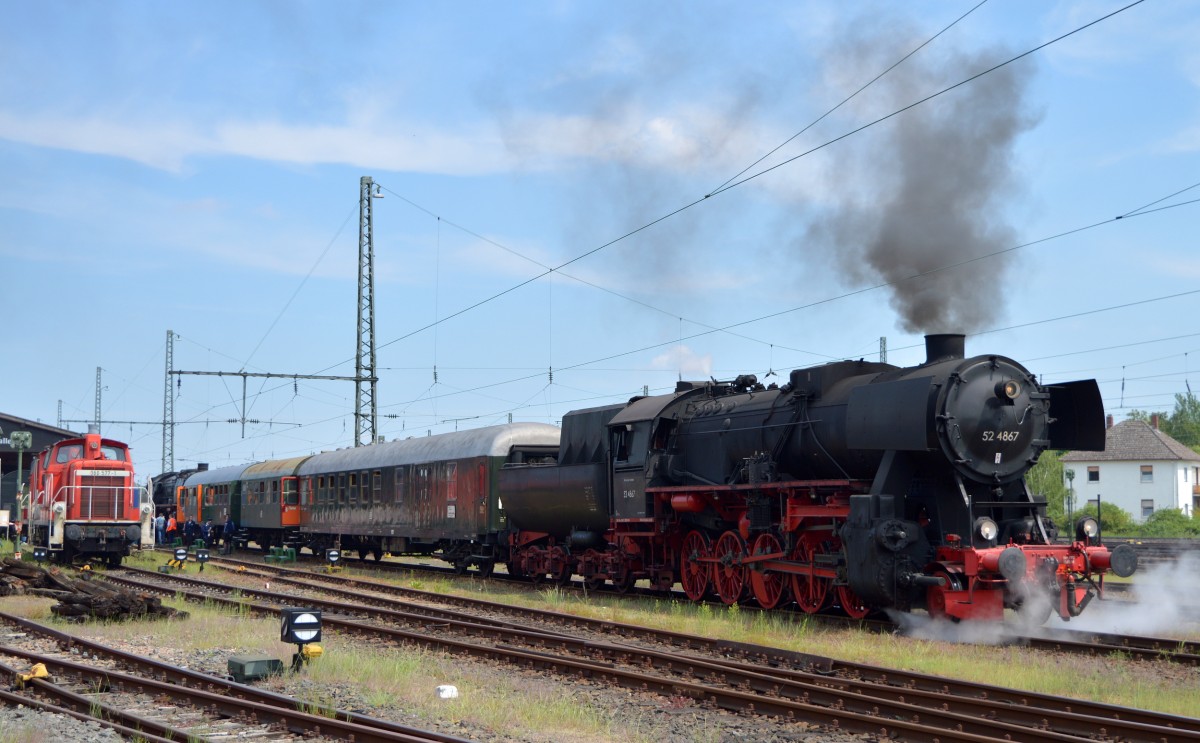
column 365, row 409
column 168, row 448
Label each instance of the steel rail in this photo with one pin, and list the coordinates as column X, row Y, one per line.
column 985, row 716
column 174, row 677
column 764, row 656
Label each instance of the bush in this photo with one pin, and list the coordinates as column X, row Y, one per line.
column 1169, row 522
column 1113, row 519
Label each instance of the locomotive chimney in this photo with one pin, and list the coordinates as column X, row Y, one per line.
column 944, row 346
column 202, row 466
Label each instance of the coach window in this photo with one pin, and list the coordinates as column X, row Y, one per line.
column 1147, row 473
column 376, row 486
column 401, row 483
column 291, row 496
column 341, row 490
column 354, row 487
column 1093, row 474
column 422, row 484
column 274, row 491
column 452, row 481
column 321, row 489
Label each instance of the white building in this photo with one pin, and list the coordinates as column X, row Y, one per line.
column 1141, row 469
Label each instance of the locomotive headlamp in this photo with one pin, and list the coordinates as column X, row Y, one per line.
column 1087, row 529
column 1008, row 391
column 986, row 529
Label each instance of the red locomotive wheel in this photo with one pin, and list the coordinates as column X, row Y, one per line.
column 695, row 575
column 560, row 566
column 768, row 588
column 851, row 603
column 810, row 591
column 730, row 574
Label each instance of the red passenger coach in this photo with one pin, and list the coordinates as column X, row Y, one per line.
column 84, row 501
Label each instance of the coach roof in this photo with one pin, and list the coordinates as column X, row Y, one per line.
column 492, row 441
column 221, row 474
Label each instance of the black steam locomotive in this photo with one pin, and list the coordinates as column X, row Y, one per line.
column 855, row 483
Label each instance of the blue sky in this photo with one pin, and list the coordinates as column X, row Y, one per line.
column 195, row 167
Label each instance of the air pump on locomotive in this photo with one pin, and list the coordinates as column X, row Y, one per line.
column 859, row 484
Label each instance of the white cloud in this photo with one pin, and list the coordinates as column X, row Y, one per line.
column 685, row 360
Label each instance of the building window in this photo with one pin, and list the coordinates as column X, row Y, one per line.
column 1147, row 473
column 1147, row 507
column 1093, row 474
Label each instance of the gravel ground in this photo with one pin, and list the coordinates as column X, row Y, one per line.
column 29, row 725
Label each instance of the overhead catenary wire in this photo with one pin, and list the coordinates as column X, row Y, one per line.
column 850, row 97
column 756, row 175
column 860, row 291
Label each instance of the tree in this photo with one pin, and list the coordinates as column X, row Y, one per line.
column 1046, row 478
column 1183, row 424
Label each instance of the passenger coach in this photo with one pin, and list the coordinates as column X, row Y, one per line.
column 211, row 495
column 270, row 513
column 419, row 496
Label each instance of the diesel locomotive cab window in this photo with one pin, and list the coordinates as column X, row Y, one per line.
column 113, row 453
column 291, row 496
column 67, row 453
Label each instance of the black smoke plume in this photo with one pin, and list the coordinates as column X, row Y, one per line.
column 930, row 187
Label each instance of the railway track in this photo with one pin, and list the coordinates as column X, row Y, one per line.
column 1050, row 639
column 145, row 699
column 749, row 679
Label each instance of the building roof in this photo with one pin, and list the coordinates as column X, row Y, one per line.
column 1134, row 440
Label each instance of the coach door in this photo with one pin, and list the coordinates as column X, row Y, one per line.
column 290, row 502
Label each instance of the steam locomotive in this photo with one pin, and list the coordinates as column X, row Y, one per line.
column 84, row 502
column 855, row 485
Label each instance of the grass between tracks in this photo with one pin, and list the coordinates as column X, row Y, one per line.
column 533, row 705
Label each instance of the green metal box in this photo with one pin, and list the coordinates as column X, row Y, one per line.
column 245, row 668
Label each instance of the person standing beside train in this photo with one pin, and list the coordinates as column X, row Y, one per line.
column 160, row 529
column 227, row 533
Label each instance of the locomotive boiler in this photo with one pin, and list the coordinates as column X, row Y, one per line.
column 856, row 484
